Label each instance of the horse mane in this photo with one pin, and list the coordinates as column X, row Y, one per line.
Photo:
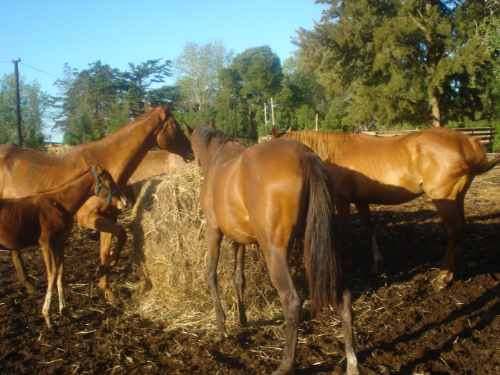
column 326, row 144
column 207, row 133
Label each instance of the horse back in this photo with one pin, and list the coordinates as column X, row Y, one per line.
column 25, row 172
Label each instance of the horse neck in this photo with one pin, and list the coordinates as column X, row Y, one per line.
column 218, row 150
column 72, row 195
column 121, row 152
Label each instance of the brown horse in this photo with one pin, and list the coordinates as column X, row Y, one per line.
column 156, row 162
column 272, row 194
column 25, row 172
column 440, row 163
column 46, row 219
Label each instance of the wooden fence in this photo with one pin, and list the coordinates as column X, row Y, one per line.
column 485, row 135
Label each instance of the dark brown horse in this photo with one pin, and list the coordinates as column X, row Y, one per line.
column 272, row 194
column 440, row 163
column 25, row 172
column 46, row 219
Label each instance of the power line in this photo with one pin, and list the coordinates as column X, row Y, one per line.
column 39, row 70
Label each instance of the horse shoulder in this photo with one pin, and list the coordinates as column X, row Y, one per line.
column 52, row 216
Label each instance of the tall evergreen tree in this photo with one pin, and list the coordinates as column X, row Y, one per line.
column 395, row 61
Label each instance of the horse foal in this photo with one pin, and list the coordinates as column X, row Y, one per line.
column 47, row 219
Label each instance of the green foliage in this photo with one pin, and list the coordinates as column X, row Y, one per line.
column 138, row 80
column 396, row 61
column 34, row 104
column 252, row 79
column 100, row 99
column 198, row 67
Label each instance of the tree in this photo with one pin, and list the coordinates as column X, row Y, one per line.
column 139, row 79
column 253, row 78
column 198, row 67
column 394, row 61
column 100, row 99
column 34, row 104
column 86, row 100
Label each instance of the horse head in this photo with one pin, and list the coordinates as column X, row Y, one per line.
column 106, row 188
column 171, row 137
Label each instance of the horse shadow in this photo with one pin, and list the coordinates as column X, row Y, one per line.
column 143, row 201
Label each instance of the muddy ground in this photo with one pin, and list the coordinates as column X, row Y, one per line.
column 402, row 325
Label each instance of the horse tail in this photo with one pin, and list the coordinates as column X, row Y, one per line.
column 486, row 165
column 321, row 258
column 475, row 155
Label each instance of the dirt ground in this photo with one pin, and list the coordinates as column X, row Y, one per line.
column 402, row 325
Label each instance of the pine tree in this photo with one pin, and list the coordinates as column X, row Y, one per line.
column 395, row 61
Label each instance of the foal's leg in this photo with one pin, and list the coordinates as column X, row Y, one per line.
column 239, row 280
column 50, row 267
column 277, row 265
column 450, row 213
column 17, row 260
column 345, row 308
column 214, row 238
column 107, row 227
column 364, row 214
column 59, row 262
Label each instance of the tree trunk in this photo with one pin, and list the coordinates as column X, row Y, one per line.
column 435, row 110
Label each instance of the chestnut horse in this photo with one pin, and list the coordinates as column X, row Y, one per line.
column 25, row 172
column 156, row 162
column 46, row 219
column 438, row 162
column 272, row 194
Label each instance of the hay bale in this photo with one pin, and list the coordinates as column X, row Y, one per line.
column 168, row 231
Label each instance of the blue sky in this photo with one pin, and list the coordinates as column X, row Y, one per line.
column 47, row 34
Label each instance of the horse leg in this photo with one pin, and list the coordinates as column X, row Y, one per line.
column 364, row 214
column 239, row 280
column 280, row 277
column 343, row 211
column 17, row 260
column 214, row 238
column 450, row 213
column 107, row 227
column 345, row 308
column 50, row 268
column 59, row 263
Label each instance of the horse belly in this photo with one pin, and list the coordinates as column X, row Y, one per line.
column 396, row 191
column 229, row 208
column 15, row 235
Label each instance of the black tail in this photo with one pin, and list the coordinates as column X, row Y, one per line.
column 321, row 258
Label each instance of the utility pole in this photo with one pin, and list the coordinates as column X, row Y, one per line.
column 265, row 114
column 18, row 103
column 272, row 112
